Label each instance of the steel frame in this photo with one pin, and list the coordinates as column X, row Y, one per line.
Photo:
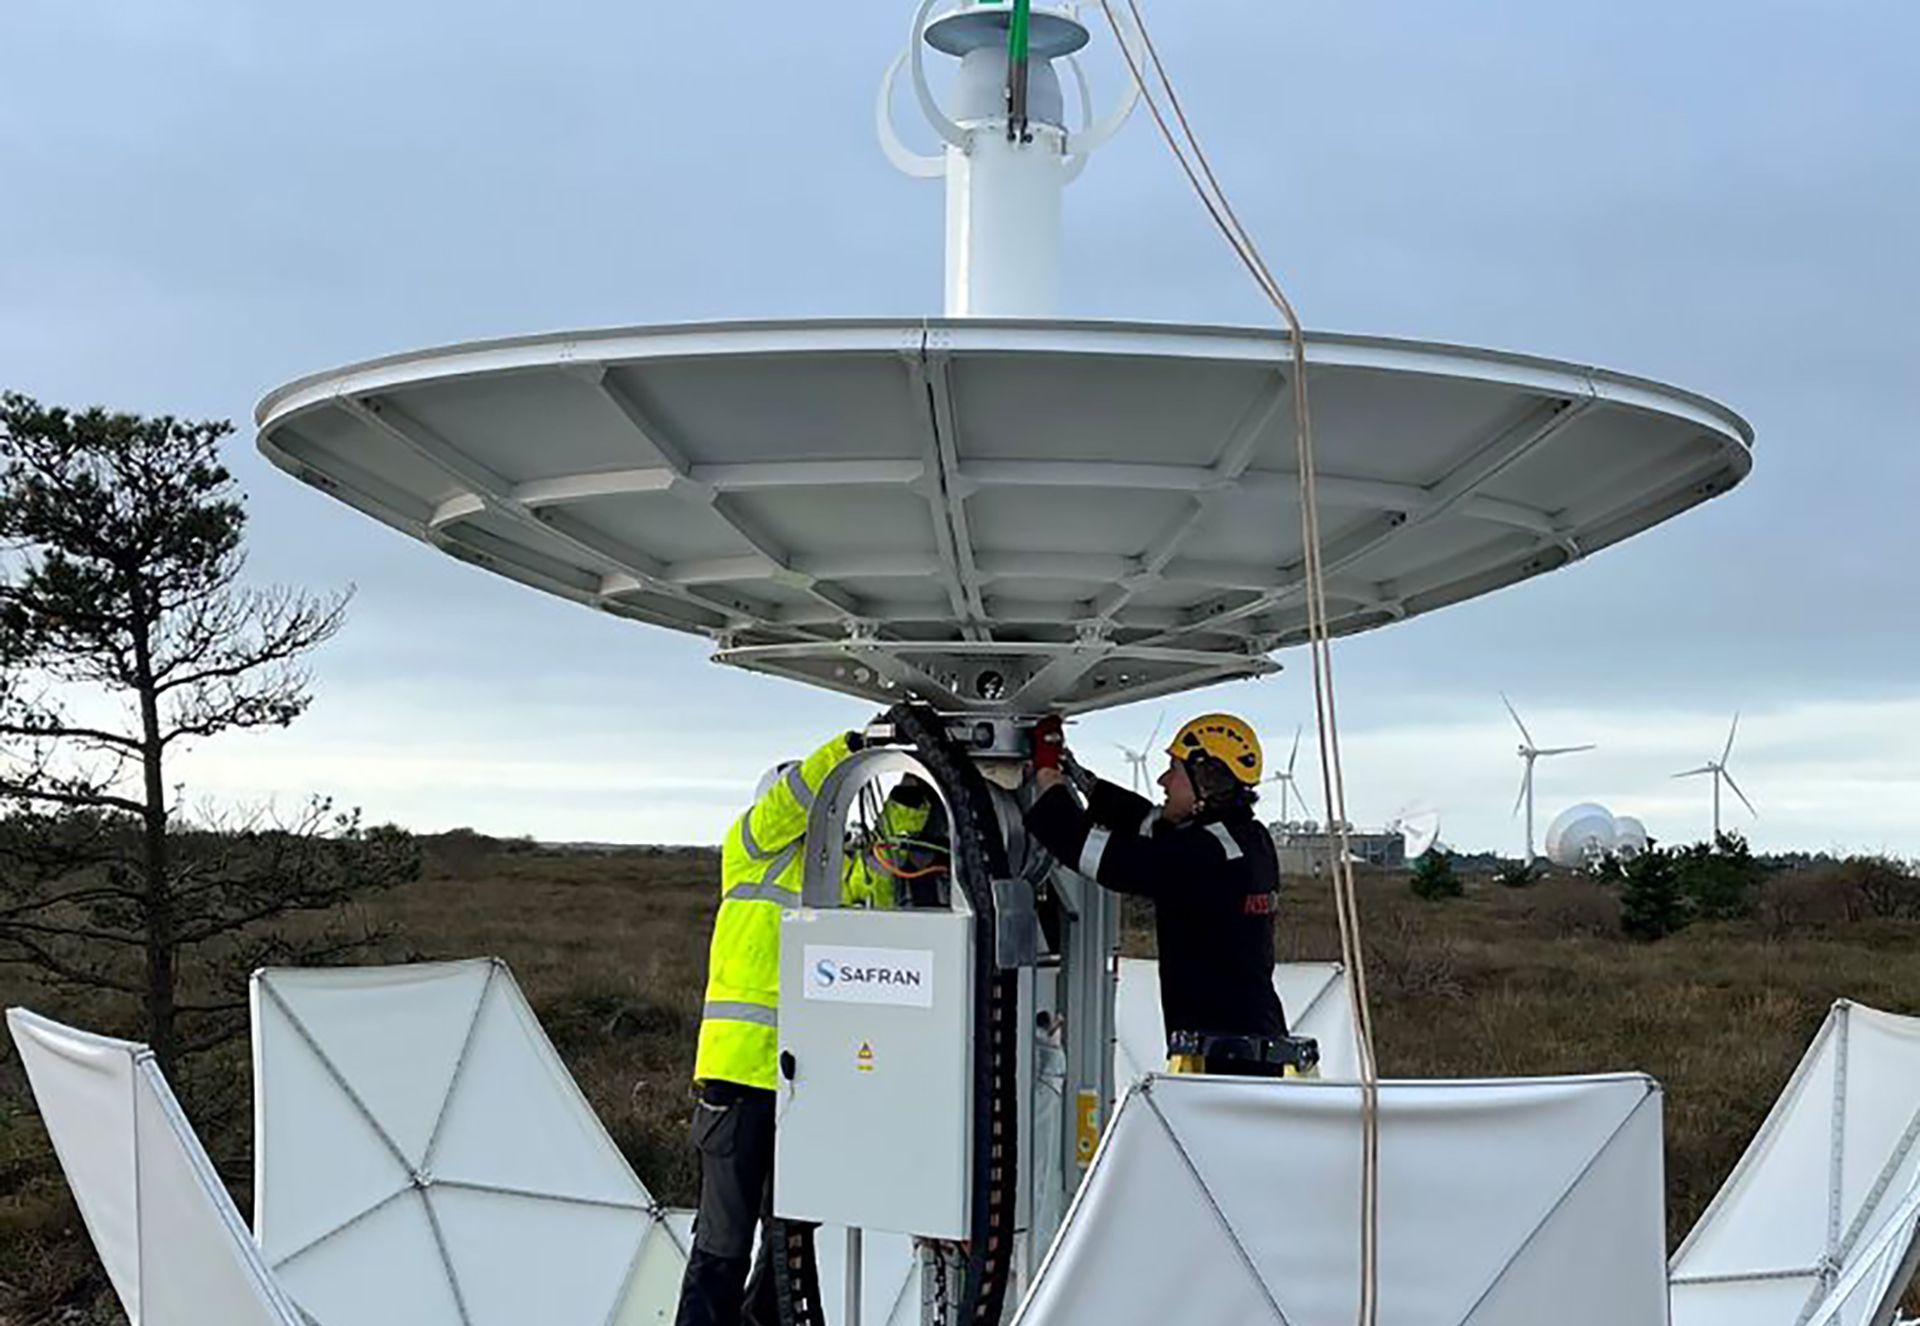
column 1250, row 609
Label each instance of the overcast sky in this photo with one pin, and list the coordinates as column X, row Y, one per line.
column 1724, row 196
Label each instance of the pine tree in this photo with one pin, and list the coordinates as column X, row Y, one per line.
column 1652, row 903
column 126, row 634
column 1433, row 876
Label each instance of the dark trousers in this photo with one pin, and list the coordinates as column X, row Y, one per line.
column 733, row 1133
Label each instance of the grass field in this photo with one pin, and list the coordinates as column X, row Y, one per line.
column 612, row 951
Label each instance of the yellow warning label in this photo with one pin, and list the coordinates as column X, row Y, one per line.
column 1086, row 1135
column 863, row 1061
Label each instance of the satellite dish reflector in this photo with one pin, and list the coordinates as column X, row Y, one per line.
column 997, row 516
column 1581, row 835
column 1419, row 828
column 1629, row 837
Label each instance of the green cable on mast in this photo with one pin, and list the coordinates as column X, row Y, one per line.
column 1018, row 46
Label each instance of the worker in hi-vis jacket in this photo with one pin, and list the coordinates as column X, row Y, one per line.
column 737, row 1067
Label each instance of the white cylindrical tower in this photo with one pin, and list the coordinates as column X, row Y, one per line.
column 1004, row 182
column 1009, row 152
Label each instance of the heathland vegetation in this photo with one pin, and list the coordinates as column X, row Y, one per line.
column 126, row 632
column 611, row 947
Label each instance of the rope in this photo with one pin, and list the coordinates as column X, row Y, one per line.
column 1206, row 185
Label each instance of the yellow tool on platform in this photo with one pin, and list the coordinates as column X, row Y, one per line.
column 1255, row 1056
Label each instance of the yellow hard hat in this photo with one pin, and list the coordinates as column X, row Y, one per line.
column 1228, row 739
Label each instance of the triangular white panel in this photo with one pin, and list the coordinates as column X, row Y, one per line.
column 1254, row 1188
column 1881, row 1105
column 1144, row 1241
column 1562, row 1258
column 520, row 1261
column 84, row 1087
column 1785, row 1173
column 385, row 1269
column 652, row 1294
column 1743, row 1302
column 174, row 1247
column 679, row 1222
column 393, row 1034
column 328, row 1161
column 1313, row 995
column 1870, row 1288
column 538, row 1215
column 516, row 1119
column 1812, row 1220
column 199, row 1265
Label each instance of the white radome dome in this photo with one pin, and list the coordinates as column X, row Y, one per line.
column 1581, row 834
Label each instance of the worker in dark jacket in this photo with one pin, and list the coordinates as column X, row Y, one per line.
column 1207, row 864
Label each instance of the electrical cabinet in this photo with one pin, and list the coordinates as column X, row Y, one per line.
column 876, row 1029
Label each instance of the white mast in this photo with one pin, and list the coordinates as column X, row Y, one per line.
column 1009, row 154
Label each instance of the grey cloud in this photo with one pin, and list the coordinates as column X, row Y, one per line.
column 1718, row 195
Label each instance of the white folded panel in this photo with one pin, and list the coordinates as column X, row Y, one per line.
column 1502, row 1203
column 1818, row 1216
column 1313, row 995
column 653, row 1292
column 173, row 1246
column 1870, row 1287
column 423, row 1156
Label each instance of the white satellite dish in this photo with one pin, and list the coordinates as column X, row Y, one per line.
column 1419, row 829
column 1629, row 837
column 955, row 510
column 1581, row 835
column 999, row 510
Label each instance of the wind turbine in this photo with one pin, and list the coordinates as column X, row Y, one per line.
column 1530, row 752
column 1137, row 760
column 1718, row 768
column 1288, row 791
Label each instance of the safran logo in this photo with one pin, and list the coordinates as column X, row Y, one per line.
column 869, row 975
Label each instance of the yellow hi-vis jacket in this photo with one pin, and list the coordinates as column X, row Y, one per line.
column 760, row 875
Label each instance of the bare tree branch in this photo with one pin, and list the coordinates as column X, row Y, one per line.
column 77, row 800
column 38, row 955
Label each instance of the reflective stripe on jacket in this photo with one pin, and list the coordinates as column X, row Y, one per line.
column 760, row 876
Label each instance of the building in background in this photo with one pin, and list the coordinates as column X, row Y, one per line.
column 1308, row 849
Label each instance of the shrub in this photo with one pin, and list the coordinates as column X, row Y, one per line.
column 1887, row 887
column 1721, row 881
column 1652, row 903
column 1826, row 896
column 1434, row 878
column 1517, row 874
